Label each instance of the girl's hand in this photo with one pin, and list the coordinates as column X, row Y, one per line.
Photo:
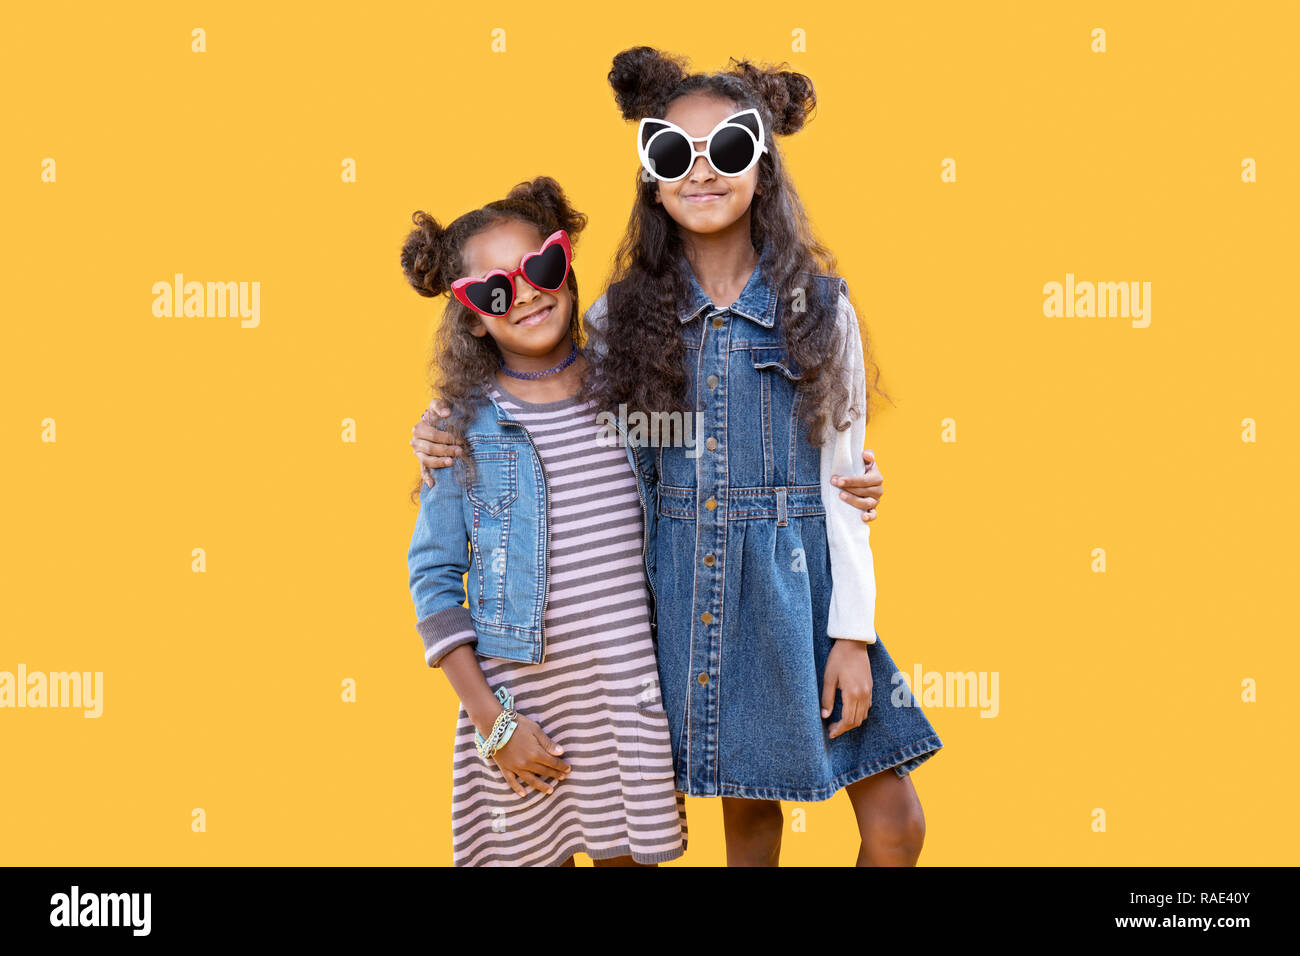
column 434, row 447
column 528, row 756
column 849, row 669
column 863, row 491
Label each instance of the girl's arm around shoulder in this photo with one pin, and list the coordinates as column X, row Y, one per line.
column 437, row 561
column 594, row 324
column 853, row 574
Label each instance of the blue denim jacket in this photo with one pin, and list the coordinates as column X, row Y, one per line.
column 495, row 534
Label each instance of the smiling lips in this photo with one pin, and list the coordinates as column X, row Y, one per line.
column 536, row 318
column 703, row 197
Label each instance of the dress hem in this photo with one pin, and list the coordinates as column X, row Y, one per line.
column 902, row 762
column 608, row 853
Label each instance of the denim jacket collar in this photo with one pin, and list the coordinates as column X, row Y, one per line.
column 757, row 301
column 494, row 408
column 493, row 411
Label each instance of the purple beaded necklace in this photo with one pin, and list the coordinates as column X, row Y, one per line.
column 545, row 372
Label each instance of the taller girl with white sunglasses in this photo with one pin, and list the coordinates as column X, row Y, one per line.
column 722, row 302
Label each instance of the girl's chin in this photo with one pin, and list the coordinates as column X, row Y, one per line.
column 542, row 338
column 709, row 218
column 539, row 341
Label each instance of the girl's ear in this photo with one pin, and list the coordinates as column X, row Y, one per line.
column 478, row 329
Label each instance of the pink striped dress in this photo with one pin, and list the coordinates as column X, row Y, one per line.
column 596, row 693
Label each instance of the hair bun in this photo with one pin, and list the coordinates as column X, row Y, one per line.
column 789, row 96
column 423, row 256
column 642, row 78
column 545, row 193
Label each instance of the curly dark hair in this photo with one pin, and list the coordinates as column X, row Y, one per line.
column 464, row 364
column 642, row 337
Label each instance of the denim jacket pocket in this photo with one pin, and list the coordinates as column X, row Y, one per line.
column 496, row 482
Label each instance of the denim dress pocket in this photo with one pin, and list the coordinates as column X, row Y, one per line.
column 774, row 357
column 775, row 378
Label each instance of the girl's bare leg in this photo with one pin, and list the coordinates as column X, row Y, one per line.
column 890, row 820
column 753, row 831
column 620, row 861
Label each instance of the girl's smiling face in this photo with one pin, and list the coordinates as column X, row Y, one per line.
column 705, row 201
column 537, row 325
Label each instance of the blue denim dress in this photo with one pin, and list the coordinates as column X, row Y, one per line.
column 742, row 641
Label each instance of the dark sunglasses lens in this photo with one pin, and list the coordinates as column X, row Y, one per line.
column 547, row 271
column 731, row 150
column 494, row 296
column 670, row 155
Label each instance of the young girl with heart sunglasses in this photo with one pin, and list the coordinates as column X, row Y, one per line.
column 545, row 521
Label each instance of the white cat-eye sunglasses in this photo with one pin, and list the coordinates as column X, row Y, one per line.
column 733, row 146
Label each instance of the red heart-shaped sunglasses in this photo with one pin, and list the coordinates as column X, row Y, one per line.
column 493, row 295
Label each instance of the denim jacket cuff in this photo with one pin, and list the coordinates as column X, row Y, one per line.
column 443, row 631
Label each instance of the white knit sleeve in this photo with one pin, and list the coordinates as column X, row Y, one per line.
column 853, row 573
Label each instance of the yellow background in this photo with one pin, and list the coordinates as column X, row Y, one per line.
column 1119, row 691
